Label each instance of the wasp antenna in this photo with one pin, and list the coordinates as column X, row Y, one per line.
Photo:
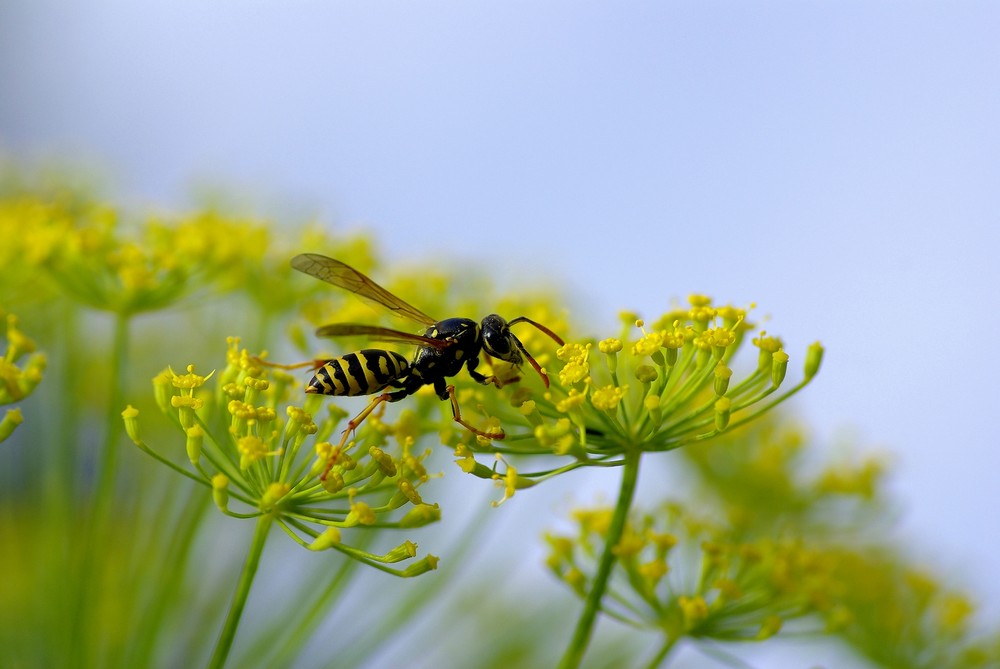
column 538, row 368
column 556, row 338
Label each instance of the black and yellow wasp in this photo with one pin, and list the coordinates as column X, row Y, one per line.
column 443, row 349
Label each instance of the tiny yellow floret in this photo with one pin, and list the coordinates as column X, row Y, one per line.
column 610, row 345
column 190, row 380
column 251, row 449
column 694, row 610
column 608, row 397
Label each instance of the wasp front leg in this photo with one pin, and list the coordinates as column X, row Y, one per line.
column 456, row 412
column 482, row 379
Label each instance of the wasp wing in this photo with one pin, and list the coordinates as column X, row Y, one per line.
column 380, row 334
column 344, row 276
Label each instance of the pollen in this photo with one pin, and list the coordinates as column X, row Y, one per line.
column 274, row 493
column 648, row 344
column 611, row 345
column 608, row 398
column 252, row 449
column 719, row 337
column 184, row 402
column 574, row 372
column 694, row 609
column 573, row 400
column 361, row 513
column 190, row 380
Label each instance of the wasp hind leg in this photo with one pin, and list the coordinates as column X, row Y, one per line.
column 311, row 364
column 355, row 422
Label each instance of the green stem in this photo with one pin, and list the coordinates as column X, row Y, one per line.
column 585, row 625
column 113, row 422
column 663, row 652
column 96, row 526
column 242, row 591
column 177, row 555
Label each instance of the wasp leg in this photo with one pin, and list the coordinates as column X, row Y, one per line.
column 312, row 364
column 486, row 380
column 352, row 426
column 457, row 414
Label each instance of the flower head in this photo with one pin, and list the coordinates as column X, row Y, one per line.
column 269, row 458
column 675, row 383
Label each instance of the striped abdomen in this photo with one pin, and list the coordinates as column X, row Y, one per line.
column 359, row 373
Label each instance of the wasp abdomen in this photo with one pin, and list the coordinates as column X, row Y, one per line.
column 360, row 373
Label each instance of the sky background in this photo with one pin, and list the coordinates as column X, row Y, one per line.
column 837, row 163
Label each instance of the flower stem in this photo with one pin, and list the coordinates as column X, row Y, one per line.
column 228, row 633
column 662, row 653
column 96, row 526
column 113, row 432
column 585, row 625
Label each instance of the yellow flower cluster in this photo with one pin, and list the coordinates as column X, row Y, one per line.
column 651, row 389
column 263, row 459
column 109, row 259
column 744, row 590
column 20, row 373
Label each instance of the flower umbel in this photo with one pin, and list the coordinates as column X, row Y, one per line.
column 245, row 448
column 650, row 390
column 686, row 577
column 658, row 390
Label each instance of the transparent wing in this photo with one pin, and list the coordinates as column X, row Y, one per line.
column 344, row 276
column 380, row 334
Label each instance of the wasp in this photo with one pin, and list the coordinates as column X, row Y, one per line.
column 444, row 348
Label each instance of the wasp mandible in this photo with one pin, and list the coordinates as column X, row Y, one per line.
column 443, row 349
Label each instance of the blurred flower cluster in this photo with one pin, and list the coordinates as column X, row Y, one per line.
column 773, row 549
column 119, row 564
column 20, row 372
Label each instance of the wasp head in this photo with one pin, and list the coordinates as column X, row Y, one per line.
column 499, row 342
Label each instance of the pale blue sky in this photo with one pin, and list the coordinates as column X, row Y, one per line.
column 838, row 163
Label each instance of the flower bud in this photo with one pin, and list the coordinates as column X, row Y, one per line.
column 329, row 538
column 404, row 551
column 383, row 460
column 779, row 365
column 420, row 515
column 410, row 491
column 220, row 491
column 814, row 356
column 273, row 494
column 360, row 514
column 10, row 421
column 722, row 376
column 195, row 437
column 131, row 418
column 768, row 628
column 334, row 482
column 429, row 563
column 723, row 410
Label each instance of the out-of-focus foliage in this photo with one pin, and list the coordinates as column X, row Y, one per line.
column 111, row 557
